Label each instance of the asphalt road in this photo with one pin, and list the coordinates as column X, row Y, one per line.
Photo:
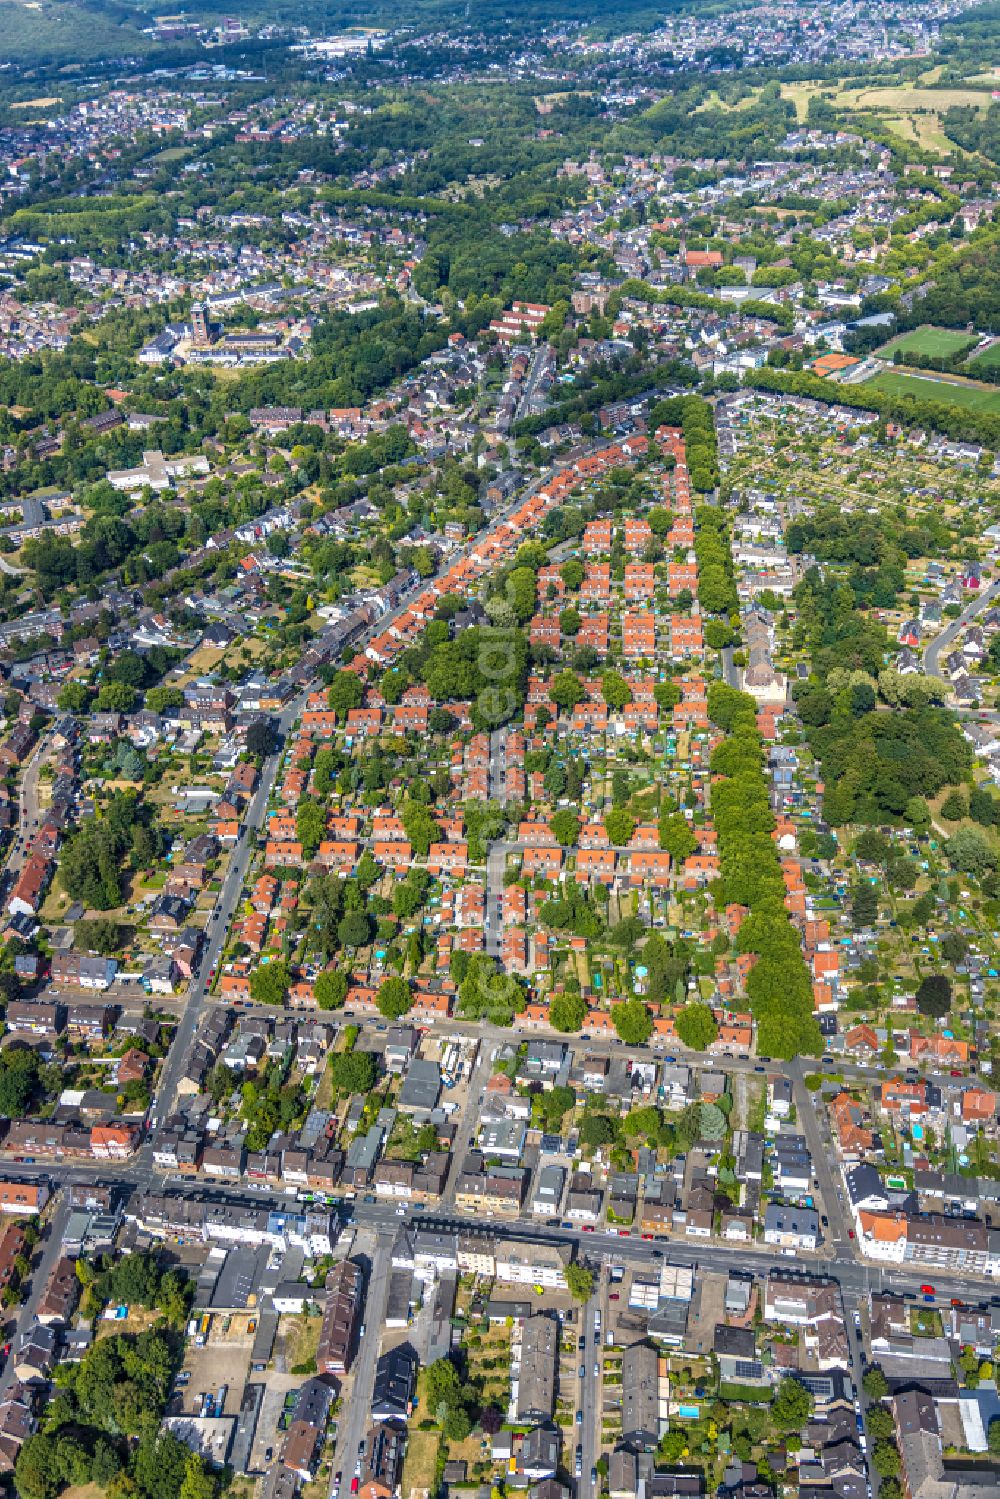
column 954, row 628
column 356, row 1412
column 28, row 809
column 496, row 864
column 591, row 1396
column 825, row 1168
column 218, row 925
column 466, row 1130
column 48, row 1251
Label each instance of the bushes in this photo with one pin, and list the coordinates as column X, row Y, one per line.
column 694, row 416
column 779, row 985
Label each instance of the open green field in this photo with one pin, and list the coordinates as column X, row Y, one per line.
column 914, row 114
column 988, row 360
column 931, row 343
column 950, row 390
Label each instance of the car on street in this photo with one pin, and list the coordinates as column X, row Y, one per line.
column 355, row 1483
column 583, row 1371
column 579, row 1418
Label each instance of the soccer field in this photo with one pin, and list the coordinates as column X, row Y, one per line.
column 933, row 388
column 932, row 343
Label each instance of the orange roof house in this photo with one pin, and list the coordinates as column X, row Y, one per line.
column 979, row 1105
column 854, row 1139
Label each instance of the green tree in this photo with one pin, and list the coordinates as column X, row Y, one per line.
column 199, row 1482
column 879, row 1423
column 310, row 825
column 579, row 1281
column 352, row 1071
column 330, row 989
column 37, row 1472
column 864, row 905
column 874, row 1383
column 632, row 1021
column 696, row 1026
column 792, row 1406
column 619, row 826
column 567, row 1013
column 354, row 929
column 270, row 983
column 969, row 850
column 933, row 995
column 615, row 690
column 394, row 998
column 345, row 692
column 885, row 1460
column 954, row 807
column 565, row 827
column 566, row 690
column 596, row 1129
column 420, row 827
column 442, row 1385
column 676, row 837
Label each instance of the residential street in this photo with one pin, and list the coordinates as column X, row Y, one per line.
column 954, row 628
column 355, row 1416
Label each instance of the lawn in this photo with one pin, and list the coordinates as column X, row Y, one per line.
column 302, row 1341
column 951, row 390
column 932, row 343
column 419, row 1463
column 914, row 114
column 989, row 359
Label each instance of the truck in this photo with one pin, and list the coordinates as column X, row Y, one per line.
column 203, row 1328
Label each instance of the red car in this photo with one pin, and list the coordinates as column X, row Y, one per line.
column 927, row 1290
column 355, row 1484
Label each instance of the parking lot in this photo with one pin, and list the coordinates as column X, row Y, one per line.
column 224, row 1360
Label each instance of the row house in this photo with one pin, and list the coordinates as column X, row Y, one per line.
column 640, row 581
column 686, row 636
column 546, row 862
column 638, row 634
column 544, row 630
column 597, row 537
column 596, row 585
column 595, row 631
column 392, row 854
column 448, row 858
column 338, row 855
column 638, row 535
column 590, row 718
column 597, row 864
column 650, row 867
column 681, row 577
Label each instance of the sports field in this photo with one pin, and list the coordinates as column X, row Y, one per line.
column 946, row 391
column 931, row 343
column 989, row 359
